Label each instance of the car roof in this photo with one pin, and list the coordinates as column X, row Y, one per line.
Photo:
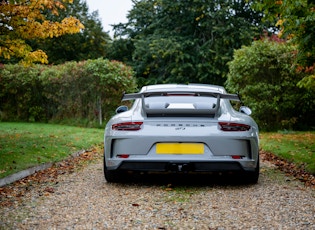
column 183, row 87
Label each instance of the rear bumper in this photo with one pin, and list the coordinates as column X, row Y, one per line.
column 184, row 166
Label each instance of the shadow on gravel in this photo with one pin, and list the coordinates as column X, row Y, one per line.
column 183, row 179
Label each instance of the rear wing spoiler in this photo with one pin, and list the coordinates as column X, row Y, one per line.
column 132, row 96
column 164, row 111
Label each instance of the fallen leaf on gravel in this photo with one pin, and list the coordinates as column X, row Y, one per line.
column 289, row 168
column 49, row 189
column 136, row 205
column 15, row 191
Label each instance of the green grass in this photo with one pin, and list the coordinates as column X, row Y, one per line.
column 179, row 194
column 297, row 147
column 24, row 145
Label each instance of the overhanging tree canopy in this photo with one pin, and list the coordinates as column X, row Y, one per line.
column 24, row 19
column 90, row 43
column 188, row 41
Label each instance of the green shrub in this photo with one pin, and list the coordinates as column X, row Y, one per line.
column 86, row 92
column 20, row 92
column 265, row 77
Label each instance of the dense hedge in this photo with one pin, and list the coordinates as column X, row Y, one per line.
column 85, row 92
column 265, row 76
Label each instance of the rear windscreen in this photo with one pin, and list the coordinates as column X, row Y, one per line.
column 181, row 105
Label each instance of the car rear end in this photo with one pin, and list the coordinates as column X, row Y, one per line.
column 181, row 132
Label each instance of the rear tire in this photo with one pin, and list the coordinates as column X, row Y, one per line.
column 252, row 177
column 111, row 176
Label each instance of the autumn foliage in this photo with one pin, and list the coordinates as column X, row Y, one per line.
column 21, row 20
column 296, row 22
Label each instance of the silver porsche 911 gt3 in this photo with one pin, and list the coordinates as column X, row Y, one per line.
column 181, row 128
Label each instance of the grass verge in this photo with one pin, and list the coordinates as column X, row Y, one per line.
column 296, row 147
column 24, row 145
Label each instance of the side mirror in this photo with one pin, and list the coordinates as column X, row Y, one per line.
column 122, row 108
column 246, row 110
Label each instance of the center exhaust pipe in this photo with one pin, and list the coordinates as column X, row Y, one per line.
column 185, row 168
column 179, row 167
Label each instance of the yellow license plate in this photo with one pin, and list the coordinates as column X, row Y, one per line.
column 179, row 148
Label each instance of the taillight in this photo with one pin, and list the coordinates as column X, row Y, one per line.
column 229, row 126
column 127, row 126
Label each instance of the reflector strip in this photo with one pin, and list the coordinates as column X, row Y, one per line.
column 123, row 156
column 237, row 157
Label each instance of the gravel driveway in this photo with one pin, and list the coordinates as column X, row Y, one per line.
column 83, row 200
